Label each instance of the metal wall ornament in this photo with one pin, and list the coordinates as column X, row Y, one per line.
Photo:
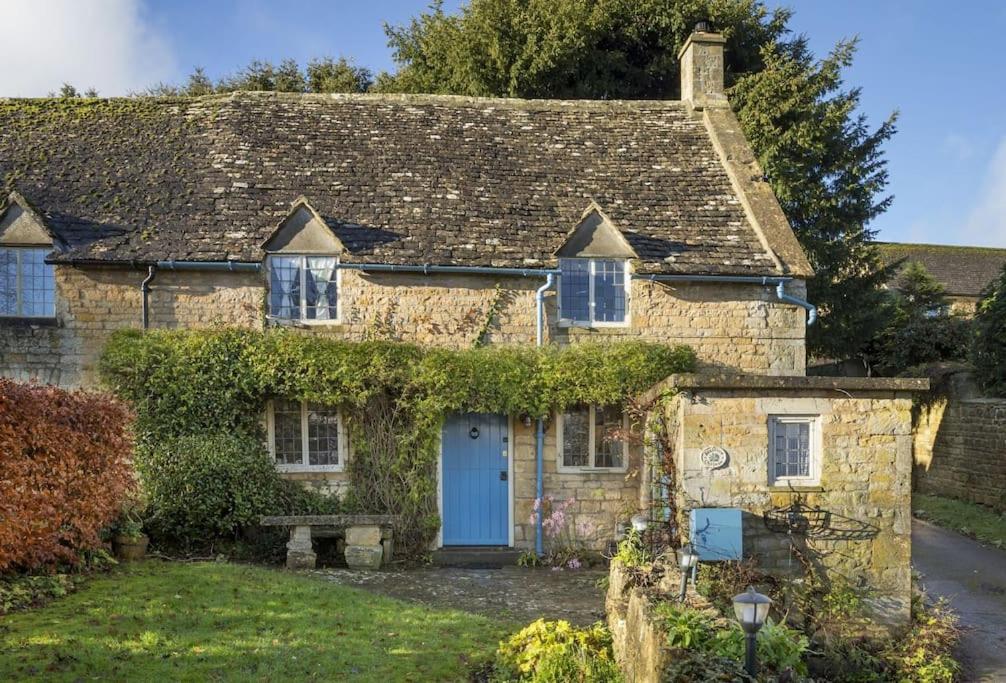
column 473, row 432
column 713, row 457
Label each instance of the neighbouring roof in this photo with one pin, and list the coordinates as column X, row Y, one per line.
column 399, row 179
column 963, row 271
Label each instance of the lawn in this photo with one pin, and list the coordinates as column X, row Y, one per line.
column 981, row 523
column 158, row 621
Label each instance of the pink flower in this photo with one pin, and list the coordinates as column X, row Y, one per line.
column 573, row 563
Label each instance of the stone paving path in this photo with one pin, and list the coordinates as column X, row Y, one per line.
column 511, row 593
column 973, row 578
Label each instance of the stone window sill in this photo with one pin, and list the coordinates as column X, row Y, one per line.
column 580, row 330
column 810, row 488
column 20, row 321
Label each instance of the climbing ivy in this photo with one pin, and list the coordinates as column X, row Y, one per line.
column 393, row 395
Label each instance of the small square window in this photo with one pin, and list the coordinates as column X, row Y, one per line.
column 593, row 291
column 588, row 438
column 794, row 453
column 306, row 436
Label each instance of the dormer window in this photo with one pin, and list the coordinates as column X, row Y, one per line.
column 594, row 272
column 302, row 261
column 593, row 291
column 304, row 288
column 27, row 283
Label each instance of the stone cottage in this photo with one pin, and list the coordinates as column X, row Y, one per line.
column 410, row 218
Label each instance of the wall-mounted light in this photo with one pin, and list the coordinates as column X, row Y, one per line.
column 525, row 420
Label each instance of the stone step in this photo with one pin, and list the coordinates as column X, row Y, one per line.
column 476, row 557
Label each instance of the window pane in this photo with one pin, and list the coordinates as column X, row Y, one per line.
column 8, row 282
column 321, row 288
column 609, row 291
column 284, row 287
column 289, row 442
column 574, row 284
column 576, row 437
column 608, row 451
column 792, row 449
column 38, row 284
column 322, row 435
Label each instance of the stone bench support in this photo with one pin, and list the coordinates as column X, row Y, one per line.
column 369, row 539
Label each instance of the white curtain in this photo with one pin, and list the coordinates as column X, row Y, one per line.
column 285, row 290
column 321, row 291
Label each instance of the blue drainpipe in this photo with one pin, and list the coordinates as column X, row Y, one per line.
column 539, row 439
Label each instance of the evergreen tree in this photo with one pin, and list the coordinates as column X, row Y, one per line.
column 988, row 352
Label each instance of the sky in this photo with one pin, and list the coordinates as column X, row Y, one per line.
column 940, row 67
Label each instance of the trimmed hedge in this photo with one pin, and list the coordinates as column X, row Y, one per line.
column 65, row 471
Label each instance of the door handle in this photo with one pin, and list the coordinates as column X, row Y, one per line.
column 503, row 475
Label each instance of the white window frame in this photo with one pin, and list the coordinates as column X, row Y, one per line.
column 591, row 444
column 591, row 280
column 304, row 466
column 815, row 455
column 300, row 319
column 19, row 250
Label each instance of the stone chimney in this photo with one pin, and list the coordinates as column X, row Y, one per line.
column 701, row 62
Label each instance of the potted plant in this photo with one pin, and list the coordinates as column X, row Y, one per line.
column 128, row 541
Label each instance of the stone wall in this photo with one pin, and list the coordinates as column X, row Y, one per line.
column 865, row 482
column 742, row 327
column 960, row 450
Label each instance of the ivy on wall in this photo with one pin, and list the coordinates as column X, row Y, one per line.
column 393, row 395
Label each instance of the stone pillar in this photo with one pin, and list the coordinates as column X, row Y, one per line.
column 363, row 547
column 701, row 64
column 299, row 552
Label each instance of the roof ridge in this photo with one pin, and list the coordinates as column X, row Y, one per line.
column 384, row 98
column 930, row 245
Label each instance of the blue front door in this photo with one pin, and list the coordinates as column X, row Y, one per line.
column 476, row 500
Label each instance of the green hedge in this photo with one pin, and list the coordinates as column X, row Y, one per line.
column 184, row 383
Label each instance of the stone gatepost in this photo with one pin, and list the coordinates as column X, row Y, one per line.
column 363, row 547
column 299, row 551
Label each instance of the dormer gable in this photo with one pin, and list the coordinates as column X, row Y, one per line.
column 21, row 225
column 596, row 236
column 303, row 231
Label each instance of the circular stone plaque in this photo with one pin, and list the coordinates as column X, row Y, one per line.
column 713, row 457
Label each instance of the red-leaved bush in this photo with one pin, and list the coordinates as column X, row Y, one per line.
column 65, row 470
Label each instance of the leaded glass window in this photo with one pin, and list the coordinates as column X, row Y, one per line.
column 793, row 449
column 305, row 436
column 589, row 437
column 593, row 291
column 27, row 283
column 304, row 288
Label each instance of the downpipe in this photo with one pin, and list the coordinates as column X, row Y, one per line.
column 145, row 295
column 539, row 440
column 780, row 293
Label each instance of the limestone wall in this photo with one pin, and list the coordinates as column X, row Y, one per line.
column 865, row 483
column 742, row 327
column 960, row 450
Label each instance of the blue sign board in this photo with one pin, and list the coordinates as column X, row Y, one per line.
column 716, row 533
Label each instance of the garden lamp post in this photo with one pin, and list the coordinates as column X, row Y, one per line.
column 751, row 609
column 687, row 559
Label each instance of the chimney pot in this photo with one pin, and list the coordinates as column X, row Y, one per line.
column 701, row 64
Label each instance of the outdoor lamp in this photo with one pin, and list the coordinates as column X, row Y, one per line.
column 640, row 523
column 751, row 609
column 687, row 559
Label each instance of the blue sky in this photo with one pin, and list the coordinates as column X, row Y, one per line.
column 940, row 67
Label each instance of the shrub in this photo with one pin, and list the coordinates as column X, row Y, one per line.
column 556, row 652
column 201, row 488
column 64, row 473
column 925, row 655
column 632, row 552
column 988, row 351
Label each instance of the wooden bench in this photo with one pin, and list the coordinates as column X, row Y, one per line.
column 369, row 538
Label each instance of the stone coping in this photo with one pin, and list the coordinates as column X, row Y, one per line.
column 328, row 520
column 785, row 383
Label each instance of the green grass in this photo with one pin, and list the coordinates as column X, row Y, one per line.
column 159, row 621
column 981, row 523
